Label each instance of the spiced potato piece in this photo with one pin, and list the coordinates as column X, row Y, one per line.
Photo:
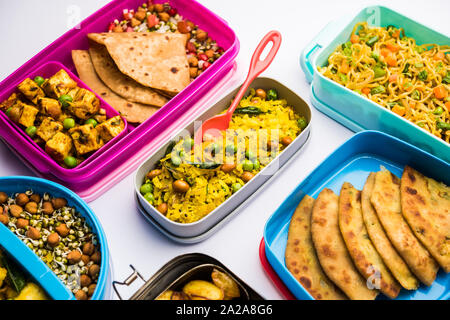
column 110, row 128
column 84, row 105
column 48, row 128
column 86, row 139
column 31, row 90
column 57, row 85
column 59, row 146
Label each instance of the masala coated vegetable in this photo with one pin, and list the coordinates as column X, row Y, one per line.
column 222, row 287
column 193, row 180
column 58, row 235
column 62, row 118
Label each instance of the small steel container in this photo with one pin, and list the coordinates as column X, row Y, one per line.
column 179, row 271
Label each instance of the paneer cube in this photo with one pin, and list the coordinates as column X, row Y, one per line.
column 85, row 104
column 59, row 146
column 48, row 128
column 110, row 128
column 57, row 85
column 86, row 139
column 31, row 90
column 50, row 107
column 28, row 115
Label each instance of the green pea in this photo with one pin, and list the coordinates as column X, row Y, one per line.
column 250, row 155
column 247, row 165
column 146, row 188
column 31, row 131
column 149, row 197
column 235, row 187
column 231, row 149
column 176, row 161
column 256, row 165
column 188, row 143
column 272, row 94
column 91, row 121
column 39, row 80
column 65, row 99
column 68, row 123
column 302, row 123
column 71, row 162
column 8, row 111
column 438, row 111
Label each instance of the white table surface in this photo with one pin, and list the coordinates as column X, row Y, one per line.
column 28, row 26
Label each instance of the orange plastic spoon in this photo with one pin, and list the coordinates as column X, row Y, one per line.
column 213, row 126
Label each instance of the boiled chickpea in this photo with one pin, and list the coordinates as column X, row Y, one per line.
column 91, row 289
column 15, row 210
column 286, row 141
column 35, row 197
column 22, row 199
column 193, row 61
column 96, row 257
column 4, row 219
column 164, row 16
column 162, row 208
column 3, row 197
column 154, row 173
column 94, row 270
column 247, row 176
column 22, row 223
column 47, row 208
column 1, row 210
column 85, row 259
column 62, row 230
column 88, row 248
column 81, row 295
column 228, row 167
column 85, row 280
column 31, row 207
column 261, row 94
column 53, row 239
column 180, row 186
column 74, row 257
column 33, row 233
column 58, row 203
column 159, row 7
column 202, row 35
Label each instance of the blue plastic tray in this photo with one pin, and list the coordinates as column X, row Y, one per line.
column 365, row 152
column 354, row 110
column 31, row 262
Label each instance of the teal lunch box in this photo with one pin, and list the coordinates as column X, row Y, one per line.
column 351, row 109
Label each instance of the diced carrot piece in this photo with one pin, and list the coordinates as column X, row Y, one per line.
column 399, row 110
column 345, row 68
column 354, row 38
column 365, row 90
column 393, row 77
column 440, row 92
column 439, row 56
column 412, row 104
column 396, row 34
column 393, row 47
column 385, row 52
column 391, row 60
column 447, row 105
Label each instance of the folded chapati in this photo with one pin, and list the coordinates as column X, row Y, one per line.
column 331, row 250
column 153, row 59
column 121, row 84
column 361, row 249
column 301, row 258
column 131, row 111
column 426, row 208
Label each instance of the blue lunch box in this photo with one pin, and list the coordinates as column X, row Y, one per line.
column 30, row 262
column 362, row 154
column 352, row 109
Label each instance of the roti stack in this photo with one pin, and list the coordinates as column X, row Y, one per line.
column 391, row 258
column 332, row 251
column 426, row 206
column 386, row 201
column 360, row 247
column 301, row 258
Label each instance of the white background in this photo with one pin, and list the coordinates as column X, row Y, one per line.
column 27, row 26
